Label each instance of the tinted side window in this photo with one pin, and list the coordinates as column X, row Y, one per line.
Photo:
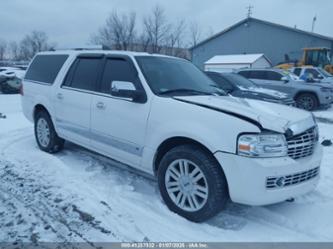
column 297, row 71
column 271, row 75
column 260, row 75
column 117, row 69
column 313, row 72
column 83, row 73
column 70, row 73
column 45, row 68
column 245, row 74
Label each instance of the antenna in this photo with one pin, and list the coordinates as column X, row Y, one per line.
column 249, row 10
column 313, row 23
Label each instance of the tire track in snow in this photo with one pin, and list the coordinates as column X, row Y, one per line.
column 36, row 197
column 7, row 149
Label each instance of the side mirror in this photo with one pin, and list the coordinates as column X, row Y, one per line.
column 285, row 79
column 127, row 90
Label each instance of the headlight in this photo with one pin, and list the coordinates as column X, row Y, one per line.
column 262, row 145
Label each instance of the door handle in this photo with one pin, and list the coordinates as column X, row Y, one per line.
column 60, row 96
column 100, row 105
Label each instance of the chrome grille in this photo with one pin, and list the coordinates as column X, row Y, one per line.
column 289, row 180
column 302, row 145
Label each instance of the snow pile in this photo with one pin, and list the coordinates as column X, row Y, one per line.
column 76, row 195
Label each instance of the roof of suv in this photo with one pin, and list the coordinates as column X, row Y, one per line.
column 116, row 52
column 263, row 69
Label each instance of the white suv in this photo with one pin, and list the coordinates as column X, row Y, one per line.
column 164, row 116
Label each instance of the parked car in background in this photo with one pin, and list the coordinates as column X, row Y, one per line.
column 316, row 73
column 163, row 116
column 238, row 86
column 11, row 79
column 307, row 96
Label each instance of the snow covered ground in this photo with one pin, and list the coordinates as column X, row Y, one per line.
column 77, row 195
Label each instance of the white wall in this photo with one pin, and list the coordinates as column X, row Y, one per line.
column 225, row 67
column 261, row 63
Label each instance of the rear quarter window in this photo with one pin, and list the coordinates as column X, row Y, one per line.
column 45, row 68
column 257, row 74
column 245, row 74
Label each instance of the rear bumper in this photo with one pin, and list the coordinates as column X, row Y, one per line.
column 247, row 177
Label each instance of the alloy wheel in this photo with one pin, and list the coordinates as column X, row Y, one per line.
column 186, row 185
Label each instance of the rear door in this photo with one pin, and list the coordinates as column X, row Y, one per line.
column 73, row 98
column 118, row 125
column 272, row 80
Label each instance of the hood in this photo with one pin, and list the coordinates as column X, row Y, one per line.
column 254, row 95
column 10, row 73
column 267, row 92
column 327, row 80
column 268, row 115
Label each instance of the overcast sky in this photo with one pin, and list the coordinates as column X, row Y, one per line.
column 71, row 22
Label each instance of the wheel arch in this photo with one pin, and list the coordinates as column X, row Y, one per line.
column 306, row 92
column 39, row 108
column 172, row 142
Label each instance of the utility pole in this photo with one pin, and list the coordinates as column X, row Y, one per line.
column 249, row 10
column 313, row 23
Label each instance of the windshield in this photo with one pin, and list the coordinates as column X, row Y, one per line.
column 171, row 76
column 324, row 72
column 240, row 81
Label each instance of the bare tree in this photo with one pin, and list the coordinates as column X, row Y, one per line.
column 33, row 43
column 195, row 34
column 143, row 42
column 157, row 28
column 157, row 35
column 14, row 50
column 118, row 31
column 3, row 49
column 175, row 38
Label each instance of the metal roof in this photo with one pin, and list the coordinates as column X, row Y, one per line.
column 264, row 22
column 235, row 59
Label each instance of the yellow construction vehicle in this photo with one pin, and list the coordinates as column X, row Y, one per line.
column 316, row 57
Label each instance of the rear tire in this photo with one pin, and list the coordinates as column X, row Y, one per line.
column 307, row 101
column 45, row 134
column 192, row 183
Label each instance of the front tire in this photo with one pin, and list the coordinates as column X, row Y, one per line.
column 45, row 134
column 307, row 101
column 192, row 183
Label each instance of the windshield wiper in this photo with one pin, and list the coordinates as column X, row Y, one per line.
column 184, row 90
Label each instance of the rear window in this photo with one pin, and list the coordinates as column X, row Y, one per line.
column 297, row 71
column 45, row 68
column 245, row 74
column 271, row 75
column 257, row 74
column 83, row 73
